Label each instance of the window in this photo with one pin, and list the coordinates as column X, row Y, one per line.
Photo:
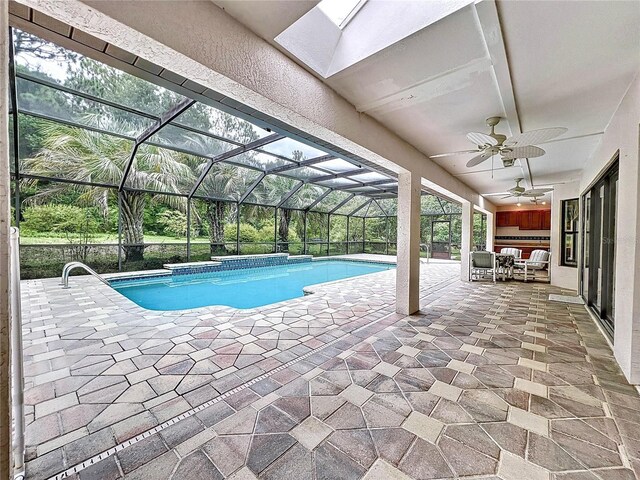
column 570, row 215
column 340, row 12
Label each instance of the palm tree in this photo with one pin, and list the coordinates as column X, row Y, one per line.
column 223, row 182
column 85, row 156
column 274, row 188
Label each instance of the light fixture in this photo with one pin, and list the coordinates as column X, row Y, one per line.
column 544, row 203
column 519, row 204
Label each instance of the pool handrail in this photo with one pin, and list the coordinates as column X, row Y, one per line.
column 66, row 270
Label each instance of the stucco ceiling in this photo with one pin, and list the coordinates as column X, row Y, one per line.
column 536, row 64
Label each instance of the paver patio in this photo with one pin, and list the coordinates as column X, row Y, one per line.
column 489, row 380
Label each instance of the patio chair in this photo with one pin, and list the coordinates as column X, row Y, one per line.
column 537, row 262
column 482, row 264
column 516, row 252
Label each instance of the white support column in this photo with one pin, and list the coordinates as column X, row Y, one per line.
column 408, row 271
column 491, row 231
column 466, row 243
column 5, row 226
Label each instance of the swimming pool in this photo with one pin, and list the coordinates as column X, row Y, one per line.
column 244, row 288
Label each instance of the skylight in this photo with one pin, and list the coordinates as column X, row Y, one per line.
column 341, row 12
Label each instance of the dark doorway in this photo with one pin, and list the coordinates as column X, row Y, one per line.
column 598, row 253
column 441, row 239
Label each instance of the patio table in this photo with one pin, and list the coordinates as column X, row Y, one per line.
column 504, row 265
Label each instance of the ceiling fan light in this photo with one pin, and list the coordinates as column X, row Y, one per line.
column 508, row 162
column 519, row 204
column 544, row 203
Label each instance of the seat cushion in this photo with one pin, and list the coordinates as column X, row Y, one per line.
column 516, row 252
column 482, row 260
column 538, row 259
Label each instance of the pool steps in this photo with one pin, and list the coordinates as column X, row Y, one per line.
column 236, row 262
column 180, row 266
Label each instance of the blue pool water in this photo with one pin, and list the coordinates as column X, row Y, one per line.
column 245, row 288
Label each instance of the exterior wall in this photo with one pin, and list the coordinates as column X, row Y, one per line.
column 216, row 51
column 565, row 277
column 622, row 135
column 6, row 463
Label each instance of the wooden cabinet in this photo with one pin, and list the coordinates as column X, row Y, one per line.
column 525, row 219
column 507, row 219
column 530, row 220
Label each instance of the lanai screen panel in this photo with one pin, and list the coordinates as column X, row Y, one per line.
column 225, row 181
column 260, row 160
column 43, row 60
column 47, row 102
column 292, row 149
column 76, row 154
column 210, row 121
column 109, row 109
column 353, row 206
column 163, row 170
column 336, row 165
column 332, row 200
column 304, row 197
column 171, row 136
column 304, row 173
column 430, row 205
column 272, row 190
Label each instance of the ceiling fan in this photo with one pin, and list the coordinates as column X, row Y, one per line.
column 517, row 146
column 519, row 191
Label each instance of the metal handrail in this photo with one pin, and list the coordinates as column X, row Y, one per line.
column 17, row 373
column 66, row 270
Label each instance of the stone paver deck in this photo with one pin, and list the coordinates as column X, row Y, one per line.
column 489, row 380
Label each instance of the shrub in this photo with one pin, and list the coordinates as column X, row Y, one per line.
column 248, row 233
column 173, row 223
column 53, row 218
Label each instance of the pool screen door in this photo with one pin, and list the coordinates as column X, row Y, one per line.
column 441, row 239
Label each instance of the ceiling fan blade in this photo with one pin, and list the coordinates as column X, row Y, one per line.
column 451, row 154
column 495, row 194
column 477, row 160
column 481, row 139
column 538, row 191
column 535, row 136
column 506, row 196
column 528, row 151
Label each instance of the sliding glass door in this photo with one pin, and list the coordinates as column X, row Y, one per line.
column 598, row 253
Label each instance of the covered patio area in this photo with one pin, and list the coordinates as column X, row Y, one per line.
column 309, row 228
column 486, row 380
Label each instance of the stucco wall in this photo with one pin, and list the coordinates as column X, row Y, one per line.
column 201, row 42
column 565, row 277
column 622, row 134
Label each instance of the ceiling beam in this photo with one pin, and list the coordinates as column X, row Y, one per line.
column 489, row 21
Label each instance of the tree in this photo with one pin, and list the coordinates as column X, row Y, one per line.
column 224, row 181
column 86, row 156
column 275, row 187
column 27, row 44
